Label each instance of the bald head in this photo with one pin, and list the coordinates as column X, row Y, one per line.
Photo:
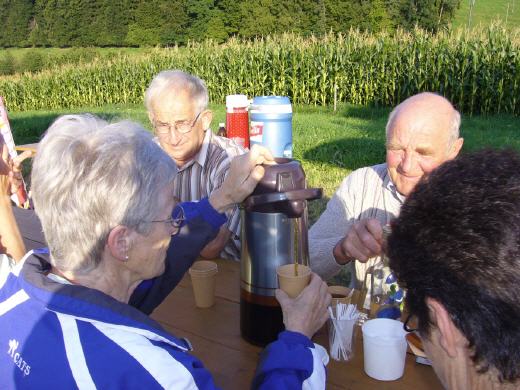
column 428, row 110
column 422, row 132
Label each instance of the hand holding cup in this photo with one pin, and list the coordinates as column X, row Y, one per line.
column 307, row 312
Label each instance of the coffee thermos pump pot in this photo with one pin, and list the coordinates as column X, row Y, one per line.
column 274, row 233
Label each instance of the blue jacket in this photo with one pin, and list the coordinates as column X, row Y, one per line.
column 61, row 336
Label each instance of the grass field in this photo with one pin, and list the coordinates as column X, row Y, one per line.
column 486, row 12
column 329, row 144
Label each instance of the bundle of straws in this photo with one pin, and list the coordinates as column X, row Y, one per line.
column 342, row 330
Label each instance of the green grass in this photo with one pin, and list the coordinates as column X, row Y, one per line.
column 486, row 12
column 329, row 144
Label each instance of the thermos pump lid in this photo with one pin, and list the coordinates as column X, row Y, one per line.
column 283, row 189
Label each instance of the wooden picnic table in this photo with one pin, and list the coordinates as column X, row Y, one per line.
column 215, row 332
column 215, row 335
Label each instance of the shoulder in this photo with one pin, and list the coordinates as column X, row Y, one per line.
column 226, row 146
column 375, row 173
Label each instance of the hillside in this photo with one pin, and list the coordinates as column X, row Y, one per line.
column 488, row 11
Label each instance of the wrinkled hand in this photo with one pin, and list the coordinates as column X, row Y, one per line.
column 363, row 241
column 307, row 312
column 10, row 170
column 244, row 174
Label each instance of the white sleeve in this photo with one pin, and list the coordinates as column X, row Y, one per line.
column 331, row 227
column 6, row 266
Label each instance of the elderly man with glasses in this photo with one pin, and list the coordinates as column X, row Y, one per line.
column 177, row 105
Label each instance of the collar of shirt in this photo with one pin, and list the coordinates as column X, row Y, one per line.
column 390, row 186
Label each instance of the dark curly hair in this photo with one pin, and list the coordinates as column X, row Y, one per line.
column 457, row 240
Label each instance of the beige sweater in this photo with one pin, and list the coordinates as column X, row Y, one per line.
column 365, row 193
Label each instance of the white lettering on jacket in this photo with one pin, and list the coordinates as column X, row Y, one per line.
column 17, row 358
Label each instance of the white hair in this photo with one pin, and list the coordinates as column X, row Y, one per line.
column 454, row 127
column 90, row 176
column 177, row 81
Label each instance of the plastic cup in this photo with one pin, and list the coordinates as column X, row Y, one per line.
column 340, row 294
column 203, row 277
column 384, row 349
column 341, row 339
column 291, row 283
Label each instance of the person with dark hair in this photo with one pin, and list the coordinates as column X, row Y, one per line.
column 456, row 249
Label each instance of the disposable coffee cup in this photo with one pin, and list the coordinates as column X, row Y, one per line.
column 384, row 349
column 340, row 294
column 291, row 282
column 203, row 277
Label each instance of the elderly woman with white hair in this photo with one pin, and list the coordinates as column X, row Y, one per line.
column 104, row 196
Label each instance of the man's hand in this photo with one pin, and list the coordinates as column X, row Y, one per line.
column 213, row 248
column 244, row 174
column 308, row 311
column 363, row 241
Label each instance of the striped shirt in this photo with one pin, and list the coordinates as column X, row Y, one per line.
column 365, row 193
column 205, row 173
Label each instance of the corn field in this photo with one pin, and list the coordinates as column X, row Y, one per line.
column 479, row 71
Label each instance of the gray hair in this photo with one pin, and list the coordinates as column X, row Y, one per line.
column 177, row 81
column 453, row 130
column 90, row 176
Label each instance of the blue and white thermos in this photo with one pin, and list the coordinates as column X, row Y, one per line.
column 271, row 124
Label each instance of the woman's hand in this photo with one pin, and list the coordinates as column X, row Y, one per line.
column 308, row 311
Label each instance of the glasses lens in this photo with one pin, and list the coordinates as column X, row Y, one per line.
column 184, row 127
column 162, row 128
column 410, row 325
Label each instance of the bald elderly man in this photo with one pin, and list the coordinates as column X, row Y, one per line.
column 421, row 133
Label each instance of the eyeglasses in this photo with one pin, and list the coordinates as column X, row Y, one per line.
column 176, row 220
column 183, row 127
column 413, row 327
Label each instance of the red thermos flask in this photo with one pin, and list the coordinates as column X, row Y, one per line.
column 237, row 119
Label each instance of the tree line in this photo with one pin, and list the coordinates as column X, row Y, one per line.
column 65, row 23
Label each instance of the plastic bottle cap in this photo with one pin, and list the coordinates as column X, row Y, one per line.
column 236, row 101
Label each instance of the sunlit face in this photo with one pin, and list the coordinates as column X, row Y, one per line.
column 417, row 143
column 169, row 108
column 149, row 251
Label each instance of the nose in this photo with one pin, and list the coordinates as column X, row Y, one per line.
column 175, row 136
column 408, row 161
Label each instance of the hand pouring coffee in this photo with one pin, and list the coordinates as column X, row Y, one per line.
column 274, row 233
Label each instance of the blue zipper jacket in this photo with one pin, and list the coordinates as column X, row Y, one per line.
column 60, row 336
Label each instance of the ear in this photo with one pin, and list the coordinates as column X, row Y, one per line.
column 119, row 242
column 150, row 116
column 206, row 118
column 455, row 148
column 450, row 338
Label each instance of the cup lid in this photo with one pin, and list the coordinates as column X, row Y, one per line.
column 237, row 101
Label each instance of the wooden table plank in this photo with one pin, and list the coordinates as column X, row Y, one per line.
column 215, row 335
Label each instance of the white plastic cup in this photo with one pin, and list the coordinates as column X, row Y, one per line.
column 384, row 349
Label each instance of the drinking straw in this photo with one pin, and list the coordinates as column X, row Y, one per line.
column 342, row 331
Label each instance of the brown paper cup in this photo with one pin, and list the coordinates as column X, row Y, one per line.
column 340, row 294
column 289, row 282
column 203, row 277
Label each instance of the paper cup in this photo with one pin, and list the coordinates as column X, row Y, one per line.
column 289, row 282
column 203, row 277
column 384, row 349
column 340, row 294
